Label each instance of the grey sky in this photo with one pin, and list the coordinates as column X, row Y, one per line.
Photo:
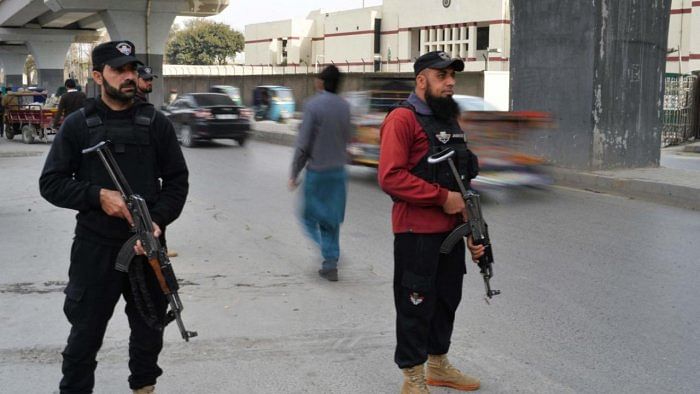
column 243, row 12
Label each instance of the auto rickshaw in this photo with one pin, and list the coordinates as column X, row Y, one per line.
column 274, row 103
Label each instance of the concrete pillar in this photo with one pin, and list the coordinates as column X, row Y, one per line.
column 50, row 58
column 148, row 35
column 598, row 67
column 13, row 64
column 471, row 50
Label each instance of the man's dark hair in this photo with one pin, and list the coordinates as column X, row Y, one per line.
column 99, row 68
column 331, row 78
column 70, row 83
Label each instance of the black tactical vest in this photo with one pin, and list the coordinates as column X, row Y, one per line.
column 133, row 147
column 442, row 135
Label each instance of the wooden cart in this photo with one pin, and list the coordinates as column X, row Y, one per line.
column 24, row 115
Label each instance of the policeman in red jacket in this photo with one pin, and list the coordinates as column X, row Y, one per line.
column 427, row 206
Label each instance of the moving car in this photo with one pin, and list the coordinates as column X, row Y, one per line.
column 206, row 116
column 498, row 138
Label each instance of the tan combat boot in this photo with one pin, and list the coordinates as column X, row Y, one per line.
column 442, row 373
column 146, row 390
column 414, row 381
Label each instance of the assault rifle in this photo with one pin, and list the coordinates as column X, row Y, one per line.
column 475, row 225
column 143, row 228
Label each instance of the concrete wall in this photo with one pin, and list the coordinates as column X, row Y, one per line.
column 598, row 68
column 302, row 85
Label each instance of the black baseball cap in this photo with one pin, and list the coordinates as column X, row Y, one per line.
column 439, row 60
column 114, row 54
column 146, row 72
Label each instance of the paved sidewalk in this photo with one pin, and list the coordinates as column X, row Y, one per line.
column 671, row 186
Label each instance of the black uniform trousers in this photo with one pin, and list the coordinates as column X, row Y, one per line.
column 427, row 291
column 93, row 290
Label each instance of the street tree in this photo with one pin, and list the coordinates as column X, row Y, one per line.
column 203, row 42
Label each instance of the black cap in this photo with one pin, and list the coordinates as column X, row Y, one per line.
column 114, row 54
column 146, row 72
column 438, row 60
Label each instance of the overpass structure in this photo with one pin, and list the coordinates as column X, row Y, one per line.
column 46, row 29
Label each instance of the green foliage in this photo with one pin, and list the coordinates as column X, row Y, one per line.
column 203, row 42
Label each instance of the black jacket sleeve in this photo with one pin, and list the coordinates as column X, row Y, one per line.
column 61, row 109
column 173, row 172
column 58, row 183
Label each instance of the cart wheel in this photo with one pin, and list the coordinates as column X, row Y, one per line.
column 28, row 132
column 9, row 131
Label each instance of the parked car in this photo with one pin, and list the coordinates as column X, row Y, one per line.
column 206, row 116
column 230, row 91
column 274, row 103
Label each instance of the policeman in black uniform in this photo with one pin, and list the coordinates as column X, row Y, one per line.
column 144, row 83
column 146, row 149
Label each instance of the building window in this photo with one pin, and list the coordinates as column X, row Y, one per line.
column 482, row 38
column 453, row 40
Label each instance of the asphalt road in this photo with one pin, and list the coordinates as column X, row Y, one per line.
column 600, row 293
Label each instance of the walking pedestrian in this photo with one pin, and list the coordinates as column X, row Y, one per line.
column 321, row 147
column 69, row 102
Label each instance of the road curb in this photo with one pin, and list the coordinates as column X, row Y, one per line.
column 659, row 192
column 278, row 138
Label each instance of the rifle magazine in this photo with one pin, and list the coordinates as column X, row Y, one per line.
column 455, row 236
column 126, row 254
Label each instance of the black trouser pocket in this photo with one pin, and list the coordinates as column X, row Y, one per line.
column 74, row 295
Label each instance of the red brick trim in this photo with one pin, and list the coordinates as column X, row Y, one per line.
column 349, row 33
column 696, row 4
column 682, row 11
column 258, row 41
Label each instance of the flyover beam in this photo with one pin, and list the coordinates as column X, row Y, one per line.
column 20, row 12
column 50, row 58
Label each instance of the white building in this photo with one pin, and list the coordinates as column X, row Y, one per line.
column 684, row 37
column 396, row 33
column 392, row 36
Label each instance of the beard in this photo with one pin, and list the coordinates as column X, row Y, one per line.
column 117, row 94
column 444, row 108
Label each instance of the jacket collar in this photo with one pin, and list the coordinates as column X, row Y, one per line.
column 420, row 106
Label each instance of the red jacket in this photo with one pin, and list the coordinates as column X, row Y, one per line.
column 403, row 143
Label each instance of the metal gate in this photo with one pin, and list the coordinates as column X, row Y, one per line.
column 680, row 109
